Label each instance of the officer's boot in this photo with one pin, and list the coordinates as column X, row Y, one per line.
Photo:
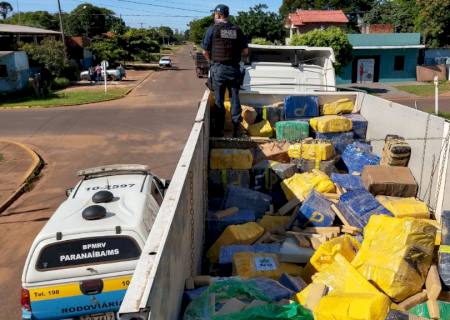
column 237, row 130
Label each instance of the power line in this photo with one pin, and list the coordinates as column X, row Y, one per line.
column 162, row 6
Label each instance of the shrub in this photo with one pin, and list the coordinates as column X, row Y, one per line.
column 60, row 83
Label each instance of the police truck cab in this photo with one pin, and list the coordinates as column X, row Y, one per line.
column 80, row 264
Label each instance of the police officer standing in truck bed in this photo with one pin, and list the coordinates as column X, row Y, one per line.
column 223, row 45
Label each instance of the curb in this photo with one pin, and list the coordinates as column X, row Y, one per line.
column 31, row 173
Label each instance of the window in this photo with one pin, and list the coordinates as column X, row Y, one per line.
column 3, row 71
column 78, row 252
column 399, row 63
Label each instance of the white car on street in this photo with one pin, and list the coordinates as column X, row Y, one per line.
column 165, row 62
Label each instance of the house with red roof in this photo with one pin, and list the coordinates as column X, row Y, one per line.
column 302, row 21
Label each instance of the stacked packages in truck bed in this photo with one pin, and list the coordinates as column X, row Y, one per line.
column 308, row 225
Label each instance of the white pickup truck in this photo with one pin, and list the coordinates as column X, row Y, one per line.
column 174, row 248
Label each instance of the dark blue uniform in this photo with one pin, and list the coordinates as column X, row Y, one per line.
column 225, row 43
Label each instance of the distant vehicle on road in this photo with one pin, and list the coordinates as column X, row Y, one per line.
column 112, row 75
column 165, row 62
column 80, row 264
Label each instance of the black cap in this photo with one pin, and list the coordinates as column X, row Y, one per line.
column 222, row 9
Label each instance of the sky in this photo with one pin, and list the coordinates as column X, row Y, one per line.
column 148, row 13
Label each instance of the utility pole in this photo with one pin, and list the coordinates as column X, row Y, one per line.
column 61, row 28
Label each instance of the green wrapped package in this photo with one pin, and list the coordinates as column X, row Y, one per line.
column 292, row 131
column 292, row 311
column 204, row 306
column 421, row 310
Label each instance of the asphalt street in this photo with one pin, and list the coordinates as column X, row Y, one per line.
column 149, row 126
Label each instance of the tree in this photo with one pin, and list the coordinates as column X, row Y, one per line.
column 197, row 28
column 257, row 22
column 37, row 19
column 5, row 8
column 139, row 44
column 399, row 13
column 49, row 54
column 433, row 21
column 105, row 48
column 89, row 20
column 331, row 37
column 166, row 33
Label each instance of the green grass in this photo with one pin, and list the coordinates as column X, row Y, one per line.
column 425, row 89
column 444, row 115
column 65, row 98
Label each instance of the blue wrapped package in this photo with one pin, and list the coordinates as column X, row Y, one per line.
column 340, row 140
column 297, row 107
column 359, row 125
column 216, row 226
column 227, row 252
column 315, row 211
column 358, row 206
column 347, row 181
column 248, row 199
column 295, row 284
column 272, row 288
column 358, row 155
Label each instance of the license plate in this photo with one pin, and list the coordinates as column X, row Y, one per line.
column 100, row 316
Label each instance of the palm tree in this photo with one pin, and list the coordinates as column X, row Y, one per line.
column 5, row 8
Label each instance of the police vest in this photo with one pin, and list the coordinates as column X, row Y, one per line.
column 226, row 43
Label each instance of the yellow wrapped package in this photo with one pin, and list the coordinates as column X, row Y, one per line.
column 301, row 184
column 271, row 223
column 326, row 124
column 405, row 207
column 252, row 265
column 396, row 254
column 346, row 245
column 260, row 129
column 351, row 296
column 352, row 306
column 314, row 150
column 248, row 113
column 246, row 233
column 292, row 269
column 337, row 107
column 238, row 159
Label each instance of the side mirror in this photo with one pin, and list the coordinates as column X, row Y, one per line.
column 68, row 192
column 166, row 183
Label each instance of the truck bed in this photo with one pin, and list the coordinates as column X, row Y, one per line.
column 174, row 250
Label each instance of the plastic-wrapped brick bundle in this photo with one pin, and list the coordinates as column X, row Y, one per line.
column 273, row 289
column 227, row 252
column 315, row 211
column 297, row 107
column 218, row 180
column 359, row 124
column 348, row 181
column 216, row 226
column 444, row 249
column 292, row 131
column 340, row 140
column 272, row 113
column 358, row 206
column 248, row 199
column 327, row 166
column 358, row 155
column 268, row 173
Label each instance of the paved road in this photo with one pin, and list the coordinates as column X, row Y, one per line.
column 425, row 103
column 150, row 126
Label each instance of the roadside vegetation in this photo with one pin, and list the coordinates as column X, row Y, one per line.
column 65, row 98
column 425, row 90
